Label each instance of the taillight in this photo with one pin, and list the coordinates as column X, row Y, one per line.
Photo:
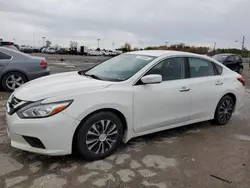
column 43, row 64
column 241, row 80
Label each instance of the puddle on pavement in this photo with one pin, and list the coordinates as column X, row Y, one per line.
column 4, row 95
column 242, row 137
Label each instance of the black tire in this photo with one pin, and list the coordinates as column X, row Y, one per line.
column 16, row 75
column 223, row 117
column 240, row 71
column 87, row 127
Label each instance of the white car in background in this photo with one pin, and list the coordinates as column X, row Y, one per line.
column 130, row 95
column 93, row 53
column 51, row 50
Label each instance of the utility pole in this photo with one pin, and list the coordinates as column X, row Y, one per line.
column 43, row 41
column 33, row 39
column 214, row 46
column 98, row 41
column 243, row 43
column 113, row 46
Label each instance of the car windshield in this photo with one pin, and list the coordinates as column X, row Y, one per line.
column 220, row 58
column 119, row 68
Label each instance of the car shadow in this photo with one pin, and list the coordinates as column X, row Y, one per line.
column 66, row 161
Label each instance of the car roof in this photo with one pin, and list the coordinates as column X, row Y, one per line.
column 13, row 52
column 158, row 53
column 225, row 54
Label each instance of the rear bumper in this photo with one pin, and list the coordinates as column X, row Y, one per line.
column 240, row 94
column 38, row 74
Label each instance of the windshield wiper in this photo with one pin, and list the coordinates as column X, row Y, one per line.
column 93, row 76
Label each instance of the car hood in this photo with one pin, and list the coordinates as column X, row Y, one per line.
column 58, row 84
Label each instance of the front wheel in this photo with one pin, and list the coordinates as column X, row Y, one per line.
column 224, row 110
column 99, row 136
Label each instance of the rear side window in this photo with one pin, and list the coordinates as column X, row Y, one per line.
column 4, row 56
column 200, row 68
column 219, row 69
column 231, row 58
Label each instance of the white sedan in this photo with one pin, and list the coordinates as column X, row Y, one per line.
column 133, row 94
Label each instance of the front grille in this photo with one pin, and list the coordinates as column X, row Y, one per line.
column 34, row 142
column 13, row 102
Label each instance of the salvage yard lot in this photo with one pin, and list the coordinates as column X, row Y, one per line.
column 199, row 155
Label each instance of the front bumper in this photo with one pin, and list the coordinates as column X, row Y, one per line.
column 56, row 133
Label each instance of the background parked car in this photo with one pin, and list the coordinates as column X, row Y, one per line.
column 232, row 61
column 17, row 68
column 51, row 50
column 35, row 50
column 62, row 51
column 27, row 49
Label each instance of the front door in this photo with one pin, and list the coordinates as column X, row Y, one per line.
column 157, row 106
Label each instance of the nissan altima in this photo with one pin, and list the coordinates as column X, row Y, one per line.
column 130, row 95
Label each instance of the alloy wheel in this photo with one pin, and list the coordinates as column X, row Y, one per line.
column 14, row 81
column 101, row 137
column 225, row 111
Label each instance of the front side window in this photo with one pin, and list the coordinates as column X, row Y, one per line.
column 170, row 69
column 120, row 68
column 4, row 56
column 200, row 68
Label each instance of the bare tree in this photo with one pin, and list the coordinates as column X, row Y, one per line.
column 48, row 43
column 73, row 44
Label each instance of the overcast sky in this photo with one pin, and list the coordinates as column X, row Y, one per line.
column 139, row 22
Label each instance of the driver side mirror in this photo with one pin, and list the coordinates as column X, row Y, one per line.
column 152, row 79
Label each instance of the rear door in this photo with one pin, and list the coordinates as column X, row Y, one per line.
column 238, row 62
column 4, row 60
column 230, row 62
column 206, row 87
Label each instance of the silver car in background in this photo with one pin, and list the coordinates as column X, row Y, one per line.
column 17, row 68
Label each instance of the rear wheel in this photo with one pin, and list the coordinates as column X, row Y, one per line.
column 99, row 136
column 224, row 110
column 240, row 71
column 13, row 80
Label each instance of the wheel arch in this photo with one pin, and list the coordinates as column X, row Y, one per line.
column 18, row 71
column 231, row 94
column 113, row 110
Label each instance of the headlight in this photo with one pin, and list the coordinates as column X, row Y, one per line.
column 39, row 110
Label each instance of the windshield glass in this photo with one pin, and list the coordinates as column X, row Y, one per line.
column 120, row 68
column 220, row 58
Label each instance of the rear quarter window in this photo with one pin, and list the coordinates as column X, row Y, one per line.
column 219, row 69
column 4, row 56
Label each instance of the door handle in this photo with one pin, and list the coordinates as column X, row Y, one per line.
column 183, row 89
column 1, row 65
column 218, row 82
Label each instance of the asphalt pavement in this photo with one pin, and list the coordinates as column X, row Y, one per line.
column 199, row 155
